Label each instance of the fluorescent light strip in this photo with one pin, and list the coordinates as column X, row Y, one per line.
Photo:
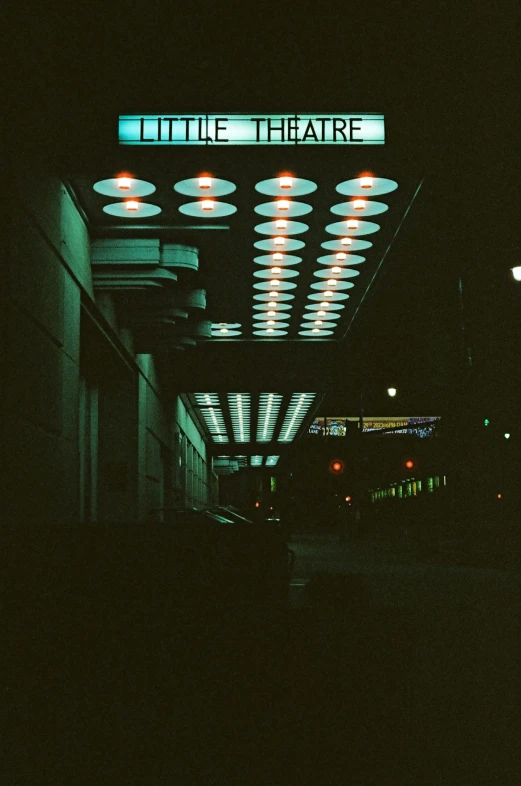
column 209, row 406
column 298, row 406
column 269, row 405
column 256, row 461
column 239, row 404
column 272, row 460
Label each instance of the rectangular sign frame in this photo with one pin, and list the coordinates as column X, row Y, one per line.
column 242, row 129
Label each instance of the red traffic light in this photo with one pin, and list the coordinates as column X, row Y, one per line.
column 409, row 464
column 336, row 466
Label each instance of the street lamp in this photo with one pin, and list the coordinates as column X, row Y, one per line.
column 391, row 392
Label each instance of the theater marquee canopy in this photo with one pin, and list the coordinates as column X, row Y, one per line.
column 288, row 218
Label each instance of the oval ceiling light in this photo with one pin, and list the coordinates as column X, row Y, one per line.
column 270, row 333
column 281, row 286
column 285, row 259
column 229, row 325
column 345, row 272
column 283, row 208
column 271, row 315
column 124, row 186
column 332, row 259
column 228, row 334
column 313, row 315
column 272, row 306
column 275, row 186
column 321, row 325
column 207, row 208
column 280, row 297
column 322, row 285
column 143, row 209
column 324, row 304
column 281, row 226
column 273, row 244
column 363, row 228
column 349, row 208
column 315, row 333
column 339, row 245
column 197, row 186
column 359, row 186
column 282, row 273
column 271, row 324
column 333, row 297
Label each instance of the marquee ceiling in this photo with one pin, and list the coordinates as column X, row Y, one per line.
column 289, row 239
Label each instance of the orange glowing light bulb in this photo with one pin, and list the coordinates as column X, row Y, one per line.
column 366, row 182
column 279, row 241
column 205, row 182
column 285, row 181
column 359, row 204
column 352, row 223
column 281, row 223
column 207, row 204
column 283, row 204
column 131, row 204
column 124, row 183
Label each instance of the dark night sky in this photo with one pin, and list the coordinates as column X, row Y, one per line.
column 446, row 75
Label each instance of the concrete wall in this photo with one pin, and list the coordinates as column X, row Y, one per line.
column 89, row 432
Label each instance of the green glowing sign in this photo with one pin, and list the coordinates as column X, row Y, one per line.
column 232, row 129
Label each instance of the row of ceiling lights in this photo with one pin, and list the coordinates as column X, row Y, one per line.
column 240, row 411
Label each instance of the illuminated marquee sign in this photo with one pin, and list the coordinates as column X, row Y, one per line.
column 251, row 129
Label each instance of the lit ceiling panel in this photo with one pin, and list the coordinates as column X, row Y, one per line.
column 295, row 414
column 239, row 405
column 269, row 406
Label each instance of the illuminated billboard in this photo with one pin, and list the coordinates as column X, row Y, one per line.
column 337, row 426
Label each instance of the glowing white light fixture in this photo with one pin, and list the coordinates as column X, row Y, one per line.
column 315, row 330
column 366, row 182
column 275, row 270
column 274, row 282
column 506, row 435
column 331, row 283
column 297, row 408
column 336, row 270
column 322, row 313
column 239, row 404
column 324, row 305
column 281, row 223
column 207, row 204
column 285, row 181
column 283, row 204
column 273, row 294
column 346, row 241
column 272, row 313
column 341, row 255
column 327, row 293
column 359, row 204
column 318, row 322
column 205, row 182
column 269, row 405
column 131, row 204
column 391, row 392
column 223, row 330
column 279, row 241
column 271, row 322
column 278, row 257
column 516, row 272
column 124, row 183
column 272, row 305
column 269, row 330
column 352, row 223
